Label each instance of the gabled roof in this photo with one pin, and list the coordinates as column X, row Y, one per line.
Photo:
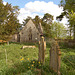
column 28, row 23
column 39, row 29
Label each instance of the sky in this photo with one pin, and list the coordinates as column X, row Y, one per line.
column 37, row 7
column 21, row 3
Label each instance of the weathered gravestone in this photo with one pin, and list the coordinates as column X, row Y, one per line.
column 55, row 57
column 42, row 48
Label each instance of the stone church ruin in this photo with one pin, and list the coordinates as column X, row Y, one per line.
column 29, row 33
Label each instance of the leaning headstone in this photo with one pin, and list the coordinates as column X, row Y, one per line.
column 55, row 57
column 42, row 48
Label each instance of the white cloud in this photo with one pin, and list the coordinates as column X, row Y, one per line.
column 40, row 8
column 64, row 21
column 4, row 2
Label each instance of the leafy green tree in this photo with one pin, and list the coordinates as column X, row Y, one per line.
column 9, row 23
column 68, row 6
column 58, row 30
column 46, row 29
column 2, row 12
column 45, row 25
column 47, row 18
column 37, row 20
column 46, row 22
column 72, row 22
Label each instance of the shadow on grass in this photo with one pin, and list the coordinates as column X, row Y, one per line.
column 26, row 43
column 65, row 45
column 31, row 43
column 67, row 50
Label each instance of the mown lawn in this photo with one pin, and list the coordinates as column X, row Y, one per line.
column 25, row 61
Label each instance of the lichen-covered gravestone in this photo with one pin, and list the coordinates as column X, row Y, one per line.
column 55, row 57
column 42, row 48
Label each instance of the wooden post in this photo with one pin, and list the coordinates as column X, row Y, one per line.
column 55, row 57
column 42, row 48
column 6, row 55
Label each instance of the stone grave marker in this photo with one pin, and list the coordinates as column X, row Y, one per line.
column 42, row 48
column 55, row 57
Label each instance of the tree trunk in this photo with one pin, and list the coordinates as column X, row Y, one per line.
column 74, row 32
column 7, row 42
column 70, row 33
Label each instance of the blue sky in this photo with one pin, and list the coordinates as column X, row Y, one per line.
column 21, row 3
column 37, row 7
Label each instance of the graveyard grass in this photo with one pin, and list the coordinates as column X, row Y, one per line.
column 17, row 61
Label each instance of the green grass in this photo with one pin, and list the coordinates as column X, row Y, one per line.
column 16, row 66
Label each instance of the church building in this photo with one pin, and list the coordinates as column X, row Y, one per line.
column 29, row 33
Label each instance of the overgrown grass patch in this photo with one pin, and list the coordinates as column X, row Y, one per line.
column 25, row 61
